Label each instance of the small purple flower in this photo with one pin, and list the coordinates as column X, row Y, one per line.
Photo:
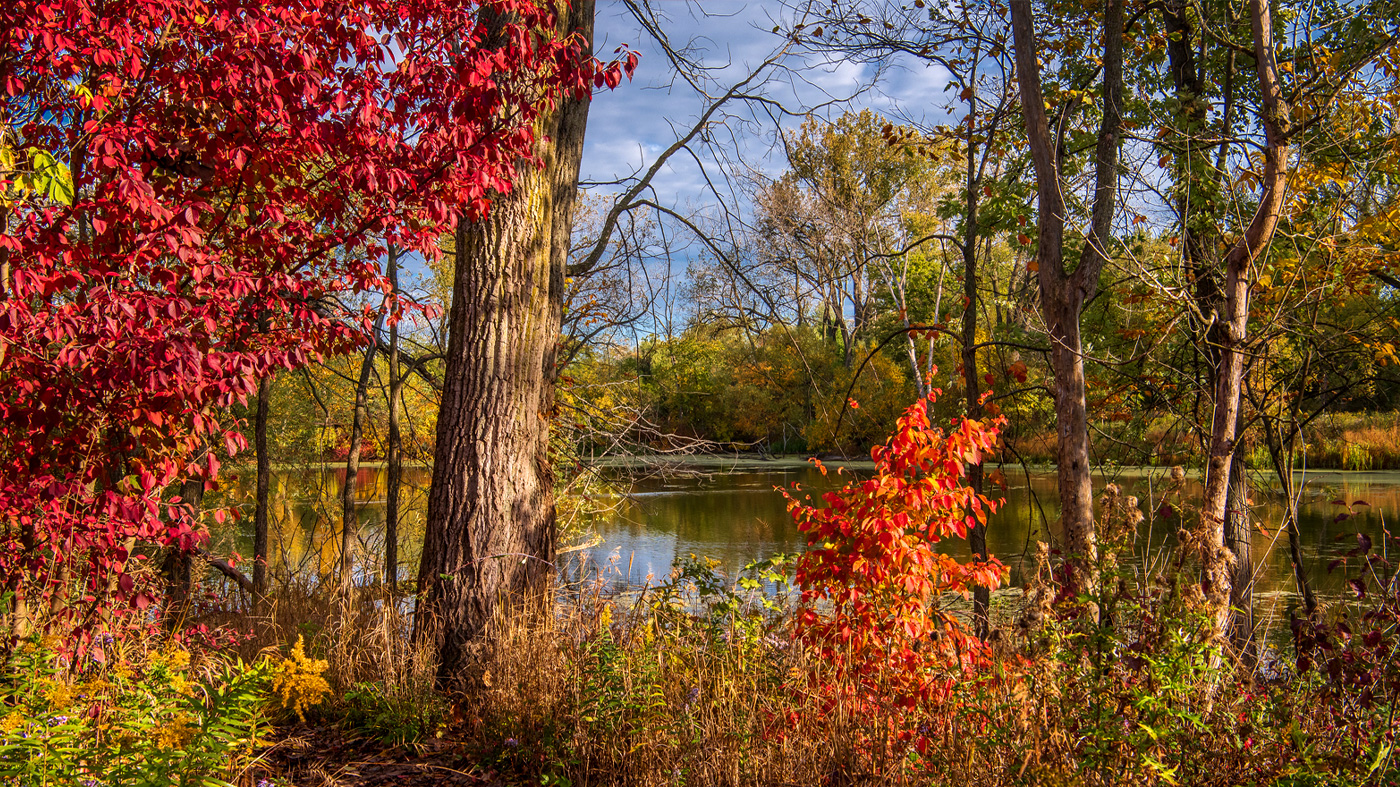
column 513, row 743
column 56, row 720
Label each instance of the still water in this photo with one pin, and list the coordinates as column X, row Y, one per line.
column 736, row 516
column 732, row 512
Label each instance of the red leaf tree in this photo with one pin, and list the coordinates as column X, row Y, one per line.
column 874, row 587
column 189, row 188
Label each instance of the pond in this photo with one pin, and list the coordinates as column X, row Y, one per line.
column 735, row 515
column 731, row 511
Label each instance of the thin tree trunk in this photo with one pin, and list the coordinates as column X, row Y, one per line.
column 349, row 519
column 395, row 447
column 977, row 536
column 1231, row 359
column 490, row 536
column 178, row 566
column 1295, row 557
column 264, row 486
column 1281, row 455
column 1063, row 293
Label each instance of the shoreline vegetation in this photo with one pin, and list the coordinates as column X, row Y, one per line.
column 1366, row 442
column 704, row 678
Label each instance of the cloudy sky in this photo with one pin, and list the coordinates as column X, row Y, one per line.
column 629, row 126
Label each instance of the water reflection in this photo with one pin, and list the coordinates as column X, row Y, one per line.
column 304, row 521
column 736, row 516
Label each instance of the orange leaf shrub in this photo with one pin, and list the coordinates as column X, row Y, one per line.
column 875, row 588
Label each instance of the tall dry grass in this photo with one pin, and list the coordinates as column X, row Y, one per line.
column 640, row 692
column 696, row 681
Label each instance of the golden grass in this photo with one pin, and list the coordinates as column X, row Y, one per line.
column 1345, row 441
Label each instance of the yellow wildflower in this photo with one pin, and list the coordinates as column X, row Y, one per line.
column 298, row 681
column 180, row 731
column 59, row 695
column 11, row 722
column 177, row 658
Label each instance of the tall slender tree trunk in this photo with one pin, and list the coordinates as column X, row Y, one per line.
column 179, row 563
column 1230, row 366
column 349, row 519
column 394, row 450
column 1281, row 455
column 1063, row 293
column 490, row 536
column 1295, row 556
column 977, row 536
column 260, row 502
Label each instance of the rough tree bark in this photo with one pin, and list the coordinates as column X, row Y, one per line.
column 490, row 536
column 977, row 536
column 1063, row 293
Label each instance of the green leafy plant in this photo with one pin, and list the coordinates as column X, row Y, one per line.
column 396, row 717
column 148, row 721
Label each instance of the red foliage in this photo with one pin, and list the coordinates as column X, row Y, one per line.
column 236, row 167
column 873, row 584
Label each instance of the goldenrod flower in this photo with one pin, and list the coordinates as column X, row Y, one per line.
column 298, row 681
column 180, row 731
column 177, row 658
column 59, row 695
column 11, row 722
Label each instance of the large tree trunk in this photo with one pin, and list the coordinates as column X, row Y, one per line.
column 1073, row 464
column 1063, row 293
column 490, row 536
column 260, row 501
